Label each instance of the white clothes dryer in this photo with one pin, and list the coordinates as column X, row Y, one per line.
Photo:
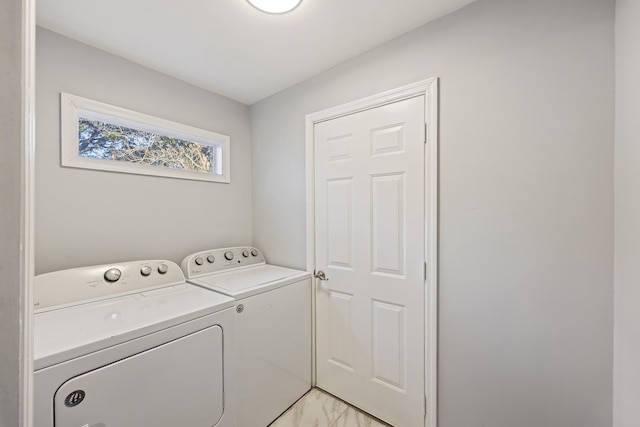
column 129, row 345
column 273, row 327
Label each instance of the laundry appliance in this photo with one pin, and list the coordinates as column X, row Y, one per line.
column 273, row 327
column 131, row 344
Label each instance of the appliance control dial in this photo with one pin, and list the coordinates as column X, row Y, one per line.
column 112, row 275
column 245, row 253
column 199, row 260
column 211, row 259
column 254, row 252
column 163, row 268
column 145, row 271
column 228, row 255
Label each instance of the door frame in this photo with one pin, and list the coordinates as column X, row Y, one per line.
column 428, row 88
column 27, row 222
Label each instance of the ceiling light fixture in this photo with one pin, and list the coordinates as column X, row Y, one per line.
column 275, row 6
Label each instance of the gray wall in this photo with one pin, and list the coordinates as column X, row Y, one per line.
column 86, row 217
column 627, row 207
column 526, row 200
column 11, row 76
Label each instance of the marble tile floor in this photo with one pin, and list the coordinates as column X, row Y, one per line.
column 320, row 409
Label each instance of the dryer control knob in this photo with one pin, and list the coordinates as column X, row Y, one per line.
column 199, row 260
column 245, row 253
column 112, row 275
column 145, row 271
column 211, row 259
column 228, row 255
column 163, row 268
column 254, row 252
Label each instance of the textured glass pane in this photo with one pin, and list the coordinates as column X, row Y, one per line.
column 107, row 141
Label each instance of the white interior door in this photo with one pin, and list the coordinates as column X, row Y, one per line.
column 370, row 243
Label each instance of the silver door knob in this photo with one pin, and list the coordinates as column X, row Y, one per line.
column 320, row 275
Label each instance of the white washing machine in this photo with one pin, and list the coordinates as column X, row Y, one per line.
column 129, row 345
column 273, row 328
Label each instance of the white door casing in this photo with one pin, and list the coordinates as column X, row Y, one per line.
column 372, row 227
column 27, row 223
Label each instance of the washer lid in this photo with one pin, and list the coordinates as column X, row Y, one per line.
column 66, row 333
column 245, row 282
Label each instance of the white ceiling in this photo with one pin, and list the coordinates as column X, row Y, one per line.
column 229, row 47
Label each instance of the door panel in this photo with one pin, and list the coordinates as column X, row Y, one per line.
column 369, row 198
column 339, row 223
column 341, row 345
column 388, row 345
column 387, row 224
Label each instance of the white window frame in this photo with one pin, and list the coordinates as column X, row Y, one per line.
column 73, row 107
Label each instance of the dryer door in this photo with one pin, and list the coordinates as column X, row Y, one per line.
column 179, row 383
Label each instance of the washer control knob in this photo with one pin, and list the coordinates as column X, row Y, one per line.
column 163, row 268
column 112, row 275
column 199, row 261
column 245, row 253
column 254, row 252
column 211, row 259
column 145, row 271
column 228, row 255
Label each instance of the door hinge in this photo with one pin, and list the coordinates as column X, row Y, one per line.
column 425, row 133
column 425, row 270
column 425, row 405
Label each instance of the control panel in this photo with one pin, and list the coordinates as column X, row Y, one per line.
column 76, row 285
column 219, row 260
